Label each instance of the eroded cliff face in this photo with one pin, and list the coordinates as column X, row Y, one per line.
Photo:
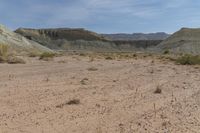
column 83, row 40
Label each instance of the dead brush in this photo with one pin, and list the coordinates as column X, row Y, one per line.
column 109, row 58
column 158, row 90
column 92, row 69
column 71, row 102
column 84, row 81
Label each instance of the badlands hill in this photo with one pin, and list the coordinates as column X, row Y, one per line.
column 186, row 40
column 137, row 36
column 69, row 34
column 82, row 40
column 19, row 44
column 65, row 38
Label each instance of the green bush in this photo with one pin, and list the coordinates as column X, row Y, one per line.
column 188, row 60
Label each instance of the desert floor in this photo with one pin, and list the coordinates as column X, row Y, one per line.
column 74, row 94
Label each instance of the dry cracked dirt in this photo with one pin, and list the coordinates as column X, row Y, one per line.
column 73, row 94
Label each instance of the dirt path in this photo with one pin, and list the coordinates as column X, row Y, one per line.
column 116, row 96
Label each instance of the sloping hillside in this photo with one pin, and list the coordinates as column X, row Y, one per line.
column 186, row 40
column 19, row 44
column 137, row 36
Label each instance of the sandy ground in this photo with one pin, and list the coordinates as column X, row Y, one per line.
column 116, row 96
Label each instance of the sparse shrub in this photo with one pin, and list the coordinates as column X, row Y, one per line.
column 15, row 60
column 71, row 102
column 32, row 54
column 74, row 101
column 189, row 60
column 83, row 81
column 92, row 69
column 82, row 54
column 166, row 52
column 134, row 55
column 158, row 90
column 109, row 58
column 47, row 56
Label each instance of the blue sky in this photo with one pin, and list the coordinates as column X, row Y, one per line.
column 102, row 16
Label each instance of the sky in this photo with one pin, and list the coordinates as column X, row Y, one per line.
column 102, row 16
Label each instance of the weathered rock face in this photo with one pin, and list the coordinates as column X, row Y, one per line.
column 186, row 40
column 19, row 44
